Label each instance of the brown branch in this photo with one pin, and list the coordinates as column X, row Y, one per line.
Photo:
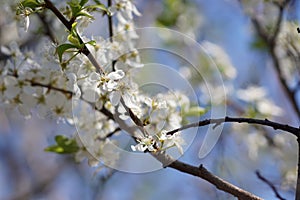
column 68, row 25
column 50, row 87
column 199, row 172
column 266, row 122
column 203, row 173
column 110, row 23
column 270, row 184
column 111, row 32
column 109, row 134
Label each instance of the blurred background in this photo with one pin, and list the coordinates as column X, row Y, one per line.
column 224, row 26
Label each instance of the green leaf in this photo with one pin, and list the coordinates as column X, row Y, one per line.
column 62, row 48
column 84, row 13
column 55, row 149
column 75, row 7
column 31, row 4
column 64, row 145
column 73, row 29
column 92, row 42
column 82, row 2
column 99, row 6
column 74, row 40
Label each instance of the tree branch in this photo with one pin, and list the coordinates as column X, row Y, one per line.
column 203, row 173
column 266, row 122
column 269, row 184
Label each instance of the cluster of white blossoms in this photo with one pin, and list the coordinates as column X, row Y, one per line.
column 35, row 82
column 25, row 84
column 258, row 97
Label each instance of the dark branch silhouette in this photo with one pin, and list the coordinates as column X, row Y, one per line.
column 265, row 122
column 269, row 183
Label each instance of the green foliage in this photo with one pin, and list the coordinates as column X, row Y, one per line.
column 27, row 7
column 33, row 4
column 64, row 145
column 76, row 44
column 78, row 8
column 60, row 50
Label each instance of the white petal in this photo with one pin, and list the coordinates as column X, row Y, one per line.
column 26, row 23
column 115, row 97
column 94, row 77
column 133, row 148
column 117, row 75
column 90, row 95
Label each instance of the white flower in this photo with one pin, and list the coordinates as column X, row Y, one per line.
column 169, row 141
column 110, row 81
column 24, row 13
column 267, row 107
column 221, row 58
column 251, row 93
column 72, row 84
column 115, row 97
column 90, row 88
column 126, row 8
column 257, row 95
column 12, row 87
column 146, row 143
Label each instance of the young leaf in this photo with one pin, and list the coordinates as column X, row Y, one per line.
column 83, row 2
column 62, row 48
column 75, row 7
column 84, row 13
column 31, row 4
column 64, row 145
column 92, row 42
column 98, row 6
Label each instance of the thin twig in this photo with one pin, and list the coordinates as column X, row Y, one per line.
column 111, row 32
column 50, row 87
column 266, row 122
column 110, row 134
column 270, row 184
